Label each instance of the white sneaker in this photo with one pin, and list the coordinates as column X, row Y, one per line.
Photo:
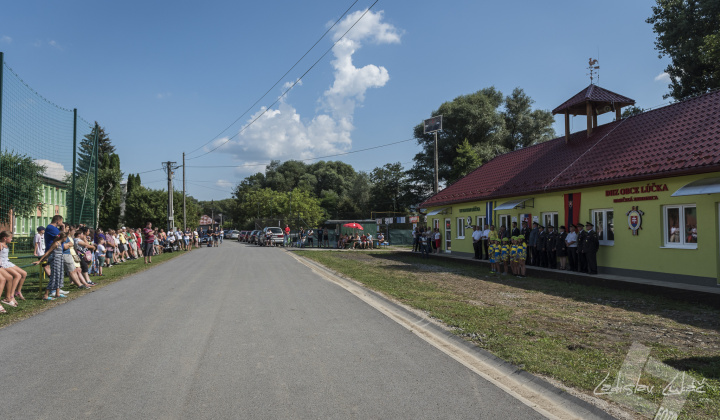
column 63, row 292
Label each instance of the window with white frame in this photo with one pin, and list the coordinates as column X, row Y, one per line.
column 436, row 223
column 481, row 221
column 604, row 226
column 504, row 220
column 550, row 219
column 680, row 226
column 460, row 228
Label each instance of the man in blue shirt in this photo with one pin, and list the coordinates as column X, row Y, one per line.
column 53, row 229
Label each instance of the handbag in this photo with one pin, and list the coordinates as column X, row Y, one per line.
column 88, row 256
column 76, row 258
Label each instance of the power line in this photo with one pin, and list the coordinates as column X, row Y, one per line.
column 279, row 80
column 308, row 159
column 288, row 89
column 210, row 188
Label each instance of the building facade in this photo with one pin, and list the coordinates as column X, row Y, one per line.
column 649, row 183
column 54, row 201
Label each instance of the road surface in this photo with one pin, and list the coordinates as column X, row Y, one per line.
column 233, row 332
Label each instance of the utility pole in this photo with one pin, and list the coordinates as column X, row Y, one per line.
column 436, row 165
column 169, row 169
column 184, row 209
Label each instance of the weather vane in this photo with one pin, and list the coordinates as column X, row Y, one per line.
column 594, row 68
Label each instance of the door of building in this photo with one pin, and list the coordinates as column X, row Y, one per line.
column 448, row 234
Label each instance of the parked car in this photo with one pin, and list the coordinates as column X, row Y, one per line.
column 253, row 237
column 244, row 235
column 277, row 239
column 233, row 234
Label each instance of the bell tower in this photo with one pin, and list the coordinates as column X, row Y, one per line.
column 592, row 101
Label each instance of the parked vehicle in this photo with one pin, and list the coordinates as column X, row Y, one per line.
column 233, row 234
column 277, row 236
column 253, row 237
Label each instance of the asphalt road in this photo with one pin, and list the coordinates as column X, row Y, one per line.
column 232, row 332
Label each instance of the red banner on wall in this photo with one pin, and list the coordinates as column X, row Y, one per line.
column 572, row 209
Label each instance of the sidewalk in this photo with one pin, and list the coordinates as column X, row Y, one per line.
column 705, row 294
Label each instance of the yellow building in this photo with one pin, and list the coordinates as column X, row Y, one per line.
column 54, row 201
column 649, row 183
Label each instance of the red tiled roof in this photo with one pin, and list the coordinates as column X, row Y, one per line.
column 595, row 94
column 678, row 139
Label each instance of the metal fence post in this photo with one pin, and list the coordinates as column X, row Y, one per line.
column 96, row 208
column 2, row 67
column 73, row 212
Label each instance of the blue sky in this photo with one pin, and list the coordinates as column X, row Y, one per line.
column 165, row 78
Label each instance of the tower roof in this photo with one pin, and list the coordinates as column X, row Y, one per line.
column 595, row 94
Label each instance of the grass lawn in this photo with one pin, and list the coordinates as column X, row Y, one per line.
column 34, row 305
column 572, row 333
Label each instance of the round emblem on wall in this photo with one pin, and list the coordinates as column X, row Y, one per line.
column 635, row 220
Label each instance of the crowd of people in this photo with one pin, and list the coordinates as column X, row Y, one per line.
column 510, row 250
column 79, row 252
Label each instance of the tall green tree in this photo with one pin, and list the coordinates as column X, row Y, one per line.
column 466, row 161
column 388, row 187
column 85, row 159
column 21, row 181
column 523, row 125
column 109, row 193
column 688, row 31
column 490, row 122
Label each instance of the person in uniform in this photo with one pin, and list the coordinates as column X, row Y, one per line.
column 532, row 244
column 591, row 246
column 542, row 247
column 525, row 231
column 582, row 262
column 551, row 250
column 561, row 248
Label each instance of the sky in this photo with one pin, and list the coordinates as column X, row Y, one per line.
column 166, row 77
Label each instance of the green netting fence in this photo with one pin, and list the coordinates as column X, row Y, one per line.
column 48, row 164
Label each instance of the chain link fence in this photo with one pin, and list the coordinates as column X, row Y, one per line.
column 48, row 165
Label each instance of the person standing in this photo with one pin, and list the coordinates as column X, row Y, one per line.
column 485, row 242
column 582, row 235
column 561, row 248
column 477, row 241
column 592, row 244
column 542, row 247
column 533, row 244
column 571, row 244
column 437, row 236
column 515, row 231
column 320, row 237
column 148, row 242
column 416, row 239
column 551, row 247
column 286, row 233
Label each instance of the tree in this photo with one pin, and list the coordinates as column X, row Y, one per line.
column 630, row 111
column 388, row 187
column 490, row 122
column 523, row 126
column 688, row 32
column 86, row 149
column 109, row 194
column 466, row 161
column 21, row 181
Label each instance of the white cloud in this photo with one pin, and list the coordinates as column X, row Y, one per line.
column 6, row 39
column 281, row 132
column 662, row 77
column 163, row 95
column 55, row 44
column 223, row 183
column 53, row 170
